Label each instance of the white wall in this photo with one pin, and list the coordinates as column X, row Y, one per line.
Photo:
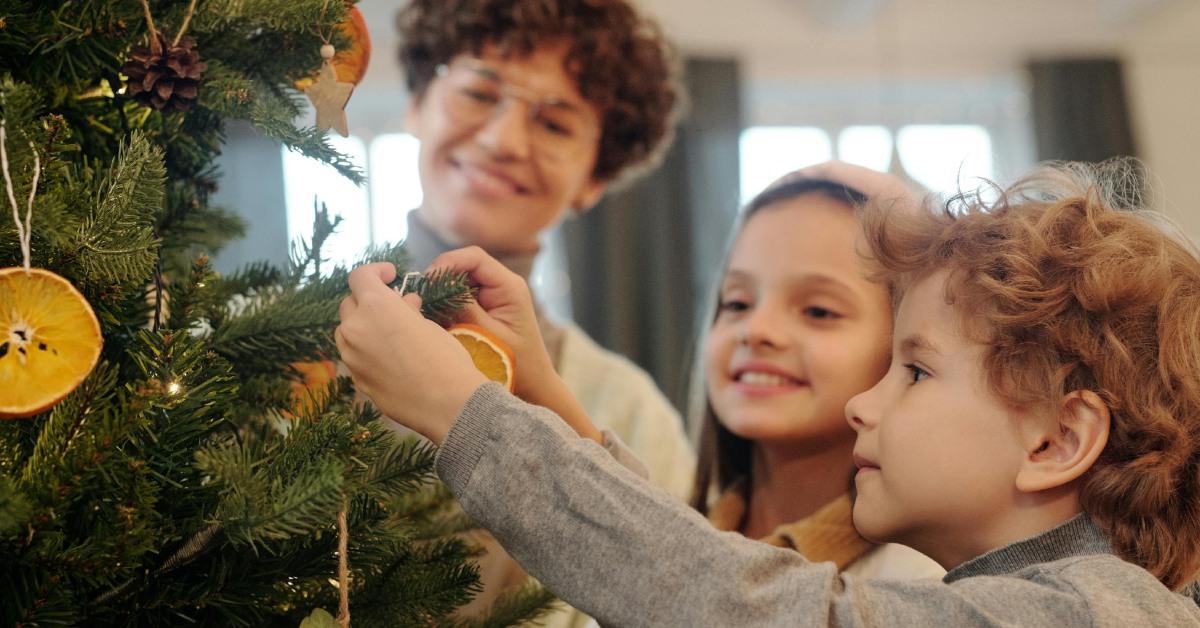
column 1164, row 85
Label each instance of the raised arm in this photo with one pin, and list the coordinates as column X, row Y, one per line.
column 629, row 554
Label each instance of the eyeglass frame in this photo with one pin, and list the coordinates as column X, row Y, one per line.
column 533, row 100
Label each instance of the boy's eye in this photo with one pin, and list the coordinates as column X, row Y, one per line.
column 915, row 373
column 820, row 313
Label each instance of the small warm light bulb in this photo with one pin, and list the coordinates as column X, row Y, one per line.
column 174, row 388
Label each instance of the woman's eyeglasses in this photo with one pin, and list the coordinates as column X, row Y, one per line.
column 558, row 129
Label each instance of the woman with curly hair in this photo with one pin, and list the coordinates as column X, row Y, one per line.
column 527, row 110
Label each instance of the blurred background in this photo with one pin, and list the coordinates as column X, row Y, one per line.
column 943, row 92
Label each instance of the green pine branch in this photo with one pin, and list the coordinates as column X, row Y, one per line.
column 271, row 15
column 436, row 577
column 186, row 481
column 255, row 508
column 115, row 243
column 523, row 606
column 247, row 281
column 274, row 332
column 15, row 508
column 189, row 300
column 69, row 436
column 443, row 293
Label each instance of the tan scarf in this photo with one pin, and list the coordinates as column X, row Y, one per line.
column 827, row 535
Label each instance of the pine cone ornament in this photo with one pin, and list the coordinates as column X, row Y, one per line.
column 167, row 80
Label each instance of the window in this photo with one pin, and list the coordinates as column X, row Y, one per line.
column 869, row 146
column 395, row 185
column 943, row 158
column 946, row 158
column 306, row 179
column 372, row 214
column 769, row 152
column 378, row 211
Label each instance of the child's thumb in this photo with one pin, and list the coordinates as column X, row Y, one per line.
column 473, row 313
column 413, row 300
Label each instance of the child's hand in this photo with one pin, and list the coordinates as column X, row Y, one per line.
column 504, row 307
column 414, row 371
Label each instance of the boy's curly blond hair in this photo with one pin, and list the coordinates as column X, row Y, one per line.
column 1072, row 287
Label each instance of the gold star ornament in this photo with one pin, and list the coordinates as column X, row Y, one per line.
column 329, row 96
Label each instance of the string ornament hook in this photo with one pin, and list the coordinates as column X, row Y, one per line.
column 24, row 228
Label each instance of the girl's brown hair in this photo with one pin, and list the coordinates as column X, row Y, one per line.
column 724, row 457
column 1071, row 287
column 619, row 59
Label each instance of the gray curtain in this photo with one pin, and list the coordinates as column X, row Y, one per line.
column 640, row 262
column 252, row 186
column 1080, row 111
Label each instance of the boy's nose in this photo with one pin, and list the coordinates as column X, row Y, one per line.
column 860, row 413
column 506, row 133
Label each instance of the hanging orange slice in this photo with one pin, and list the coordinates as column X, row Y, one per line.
column 491, row 355
column 350, row 63
column 49, row 340
column 314, row 380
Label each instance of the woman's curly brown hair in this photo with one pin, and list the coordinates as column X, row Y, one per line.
column 619, row 59
column 1071, row 292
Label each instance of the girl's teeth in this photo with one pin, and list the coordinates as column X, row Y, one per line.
column 763, row 379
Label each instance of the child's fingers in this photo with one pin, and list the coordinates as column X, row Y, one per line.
column 473, row 313
column 346, row 309
column 371, row 279
column 472, row 260
column 483, row 269
column 413, row 300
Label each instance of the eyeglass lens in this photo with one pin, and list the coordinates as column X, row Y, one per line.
column 558, row 128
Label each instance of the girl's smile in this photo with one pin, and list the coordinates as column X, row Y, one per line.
column 758, row 379
column 799, row 328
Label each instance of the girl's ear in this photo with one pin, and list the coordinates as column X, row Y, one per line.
column 1068, row 447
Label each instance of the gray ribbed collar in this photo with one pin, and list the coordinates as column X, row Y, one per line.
column 1077, row 537
column 423, row 245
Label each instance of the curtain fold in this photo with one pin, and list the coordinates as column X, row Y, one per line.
column 1080, row 110
column 641, row 261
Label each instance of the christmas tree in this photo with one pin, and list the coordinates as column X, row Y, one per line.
column 189, row 476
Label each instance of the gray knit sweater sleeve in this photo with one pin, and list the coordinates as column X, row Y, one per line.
column 629, row 554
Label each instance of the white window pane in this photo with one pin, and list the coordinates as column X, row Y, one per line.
column 946, row 158
column 305, row 179
column 769, row 152
column 395, row 184
column 868, row 146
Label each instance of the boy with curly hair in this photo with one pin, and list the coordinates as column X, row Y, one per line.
column 526, row 111
column 1037, row 433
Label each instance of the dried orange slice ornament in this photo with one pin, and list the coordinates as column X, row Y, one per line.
column 491, row 355
column 349, row 63
column 49, row 340
column 314, row 380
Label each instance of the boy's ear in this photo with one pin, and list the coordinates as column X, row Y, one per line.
column 1067, row 448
